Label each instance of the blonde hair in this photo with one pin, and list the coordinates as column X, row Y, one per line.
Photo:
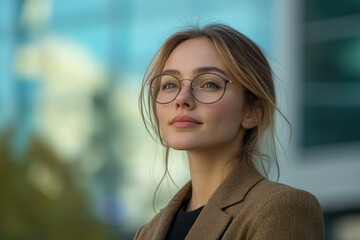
column 249, row 69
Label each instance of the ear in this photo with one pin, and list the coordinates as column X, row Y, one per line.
column 253, row 116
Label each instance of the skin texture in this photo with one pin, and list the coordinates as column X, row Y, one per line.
column 217, row 129
column 219, row 124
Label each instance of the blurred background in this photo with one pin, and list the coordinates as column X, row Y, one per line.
column 75, row 159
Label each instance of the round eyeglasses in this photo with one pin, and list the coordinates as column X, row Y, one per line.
column 205, row 88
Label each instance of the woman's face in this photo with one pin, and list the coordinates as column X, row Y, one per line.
column 186, row 124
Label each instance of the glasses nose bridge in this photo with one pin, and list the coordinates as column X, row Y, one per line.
column 185, row 79
column 183, row 85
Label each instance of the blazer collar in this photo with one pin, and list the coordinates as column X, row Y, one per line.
column 235, row 186
column 231, row 191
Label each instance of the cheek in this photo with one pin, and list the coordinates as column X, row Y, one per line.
column 161, row 115
column 230, row 116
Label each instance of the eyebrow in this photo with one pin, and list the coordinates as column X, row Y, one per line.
column 196, row 71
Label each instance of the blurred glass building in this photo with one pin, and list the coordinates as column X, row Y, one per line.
column 75, row 159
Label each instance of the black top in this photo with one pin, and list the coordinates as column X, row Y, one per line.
column 182, row 223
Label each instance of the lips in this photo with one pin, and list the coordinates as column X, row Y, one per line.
column 184, row 121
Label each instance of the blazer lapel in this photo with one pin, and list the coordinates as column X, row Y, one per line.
column 163, row 220
column 213, row 219
column 210, row 225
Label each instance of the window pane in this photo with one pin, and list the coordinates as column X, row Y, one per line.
column 331, row 72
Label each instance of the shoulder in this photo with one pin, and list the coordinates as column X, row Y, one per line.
column 284, row 202
column 271, row 193
column 277, row 211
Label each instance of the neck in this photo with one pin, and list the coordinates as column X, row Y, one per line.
column 207, row 172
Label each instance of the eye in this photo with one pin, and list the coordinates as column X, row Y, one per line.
column 169, row 86
column 209, row 84
column 167, row 83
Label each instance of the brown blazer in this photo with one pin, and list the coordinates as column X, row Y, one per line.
column 245, row 206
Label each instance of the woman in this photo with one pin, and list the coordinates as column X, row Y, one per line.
column 211, row 94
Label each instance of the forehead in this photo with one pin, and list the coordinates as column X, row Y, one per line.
column 193, row 54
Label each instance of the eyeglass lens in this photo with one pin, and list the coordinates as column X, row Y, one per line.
column 205, row 88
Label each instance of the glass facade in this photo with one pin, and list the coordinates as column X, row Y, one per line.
column 331, row 102
column 332, row 75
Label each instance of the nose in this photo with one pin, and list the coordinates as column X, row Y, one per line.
column 185, row 99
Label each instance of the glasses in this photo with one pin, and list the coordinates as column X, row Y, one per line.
column 205, row 88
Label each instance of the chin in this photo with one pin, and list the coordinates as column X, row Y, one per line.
column 182, row 146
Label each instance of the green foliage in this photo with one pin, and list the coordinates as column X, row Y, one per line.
column 39, row 198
